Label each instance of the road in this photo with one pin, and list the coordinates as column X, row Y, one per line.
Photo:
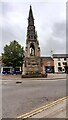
column 19, row 98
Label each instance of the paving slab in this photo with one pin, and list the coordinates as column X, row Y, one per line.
column 56, row 111
column 18, row 77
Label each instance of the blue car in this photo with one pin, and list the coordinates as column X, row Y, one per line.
column 16, row 72
column 6, row 72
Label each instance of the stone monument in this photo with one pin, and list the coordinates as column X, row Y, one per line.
column 32, row 62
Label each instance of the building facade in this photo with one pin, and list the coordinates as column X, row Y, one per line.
column 60, row 62
column 48, row 63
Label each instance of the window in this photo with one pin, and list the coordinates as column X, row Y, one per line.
column 58, row 59
column 33, row 64
column 64, row 63
column 59, row 69
column 28, row 63
column 29, row 36
column 48, row 63
column 64, row 58
column 59, row 64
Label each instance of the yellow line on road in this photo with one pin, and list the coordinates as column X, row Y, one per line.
column 38, row 110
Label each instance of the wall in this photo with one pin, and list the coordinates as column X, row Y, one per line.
column 49, row 65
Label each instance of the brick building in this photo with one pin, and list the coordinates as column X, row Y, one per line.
column 48, row 63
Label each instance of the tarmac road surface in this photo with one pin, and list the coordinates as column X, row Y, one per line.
column 20, row 98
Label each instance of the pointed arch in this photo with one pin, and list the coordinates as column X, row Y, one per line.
column 32, row 49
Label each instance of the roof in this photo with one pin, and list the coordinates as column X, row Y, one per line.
column 60, row 55
column 46, row 58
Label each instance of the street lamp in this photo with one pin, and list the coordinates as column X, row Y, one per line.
column 22, row 61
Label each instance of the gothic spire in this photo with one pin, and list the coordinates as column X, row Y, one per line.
column 30, row 18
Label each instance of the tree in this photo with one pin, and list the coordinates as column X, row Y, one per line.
column 13, row 54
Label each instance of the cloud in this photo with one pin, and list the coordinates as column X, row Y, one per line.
column 35, row 1
column 13, row 23
column 56, row 41
column 59, row 30
column 49, row 23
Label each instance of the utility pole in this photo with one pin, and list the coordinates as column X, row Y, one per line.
column 51, row 53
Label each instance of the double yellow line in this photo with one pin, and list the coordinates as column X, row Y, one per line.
column 38, row 110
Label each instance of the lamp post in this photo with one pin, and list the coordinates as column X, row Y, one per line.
column 51, row 54
column 22, row 57
column 23, row 70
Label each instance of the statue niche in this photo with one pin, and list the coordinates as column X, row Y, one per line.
column 32, row 50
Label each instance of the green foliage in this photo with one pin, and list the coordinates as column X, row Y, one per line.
column 13, row 54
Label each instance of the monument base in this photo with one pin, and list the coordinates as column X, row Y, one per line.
column 35, row 76
column 33, row 68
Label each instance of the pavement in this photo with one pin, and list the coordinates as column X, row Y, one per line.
column 55, row 109
column 18, row 77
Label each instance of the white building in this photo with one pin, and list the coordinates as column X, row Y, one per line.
column 60, row 61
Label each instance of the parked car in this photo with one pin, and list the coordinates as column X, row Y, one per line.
column 16, row 72
column 13, row 72
column 6, row 72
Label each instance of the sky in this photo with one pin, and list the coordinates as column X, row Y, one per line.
column 50, row 23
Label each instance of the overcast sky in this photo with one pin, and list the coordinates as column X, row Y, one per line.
column 50, row 23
